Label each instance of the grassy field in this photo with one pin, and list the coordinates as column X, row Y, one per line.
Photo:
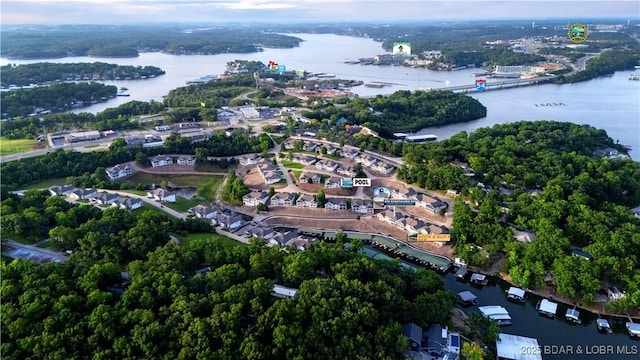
column 45, row 184
column 135, row 192
column 296, row 174
column 225, row 241
column 292, row 165
column 208, row 167
column 176, row 179
column 182, row 204
column 149, row 208
column 208, row 188
column 15, row 146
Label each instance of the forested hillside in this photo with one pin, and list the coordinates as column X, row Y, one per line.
column 55, row 98
column 555, row 184
column 39, row 73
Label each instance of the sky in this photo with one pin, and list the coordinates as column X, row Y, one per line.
column 284, row 11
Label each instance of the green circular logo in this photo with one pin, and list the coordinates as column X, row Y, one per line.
column 578, row 33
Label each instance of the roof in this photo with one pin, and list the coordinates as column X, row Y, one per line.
column 492, row 311
column 603, row 323
column 467, row 296
column 548, row 306
column 573, row 313
column 510, row 347
column 412, row 331
column 283, row 291
column 516, row 292
column 633, row 328
column 477, row 277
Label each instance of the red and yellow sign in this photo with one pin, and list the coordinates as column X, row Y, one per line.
column 433, row 237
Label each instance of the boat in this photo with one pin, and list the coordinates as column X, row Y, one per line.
column 122, row 94
column 123, row 89
column 516, row 294
column 377, row 86
column 479, row 279
column 467, row 298
column 573, row 316
column 603, row 326
column 461, row 274
column 633, row 329
column 497, row 313
column 547, row 308
column 420, row 138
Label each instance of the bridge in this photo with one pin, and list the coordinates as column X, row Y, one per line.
column 497, row 85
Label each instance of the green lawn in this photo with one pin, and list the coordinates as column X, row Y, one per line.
column 45, row 184
column 208, row 188
column 134, row 191
column 149, row 208
column 225, row 241
column 176, row 179
column 208, row 167
column 182, row 204
column 292, row 165
column 15, row 146
column 296, row 174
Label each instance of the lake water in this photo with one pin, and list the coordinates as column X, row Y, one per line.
column 611, row 103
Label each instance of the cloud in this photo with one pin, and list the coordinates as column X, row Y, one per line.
column 135, row 11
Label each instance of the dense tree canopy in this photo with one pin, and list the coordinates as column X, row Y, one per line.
column 54, row 98
column 585, row 202
column 347, row 304
column 39, row 73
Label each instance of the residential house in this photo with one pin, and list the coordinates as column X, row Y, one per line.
column 61, row 189
column 162, row 195
column 304, row 159
column 255, row 197
column 289, row 145
column 310, row 146
column 128, row 203
column 330, row 149
column 282, row 199
column 346, row 171
column 315, row 178
column 229, row 221
column 161, row 160
column 403, row 193
column 437, row 229
column 204, row 212
column 636, row 211
column 366, row 160
column 350, row 153
column 336, row 204
column 307, row 201
column 250, row 159
column 413, row 225
column 362, row 206
column 283, row 239
column 187, row 160
column 332, row 183
column 271, row 177
column 261, row 231
column 413, row 332
column 433, row 205
column 327, row 165
column 118, row 172
column 105, row 198
column 614, row 293
column 390, row 216
column 383, row 167
column 82, row 194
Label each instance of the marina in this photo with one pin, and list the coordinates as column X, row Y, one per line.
column 633, row 329
column 467, row 298
column 516, row 294
column 603, row 326
column 635, row 75
column 497, row 313
column 479, row 279
column 547, row 308
column 573, row 316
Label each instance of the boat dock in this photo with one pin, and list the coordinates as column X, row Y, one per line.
column 467, row 298
column 479, row 279
column 497, row 313
column 635, row 75
column 547, row 308
column 516, row 294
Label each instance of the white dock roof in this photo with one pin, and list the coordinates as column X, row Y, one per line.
column 516, row 292
column 510, row 347
column 548, row 306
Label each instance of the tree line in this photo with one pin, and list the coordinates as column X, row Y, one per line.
column 54, row 98
column 43, row 42
column 40, row 73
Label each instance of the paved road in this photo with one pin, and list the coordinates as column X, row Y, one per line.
column 30, row 252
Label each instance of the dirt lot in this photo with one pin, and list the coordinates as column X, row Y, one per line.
column 173, row 168
column 325, row 224
column 253, row 179
column 325, row 215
